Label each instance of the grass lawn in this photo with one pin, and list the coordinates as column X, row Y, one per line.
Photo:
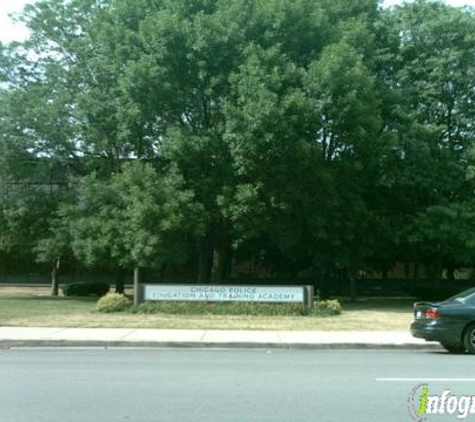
column 33, row 307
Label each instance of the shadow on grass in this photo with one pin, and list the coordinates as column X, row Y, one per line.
column 91, row 299
column 379, row 305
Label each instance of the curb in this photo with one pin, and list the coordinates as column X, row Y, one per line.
column 10, row 344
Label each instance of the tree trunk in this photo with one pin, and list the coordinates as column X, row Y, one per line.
column 205, row 260
column 325, row 281
column 119, row 281
column 353, row 291
column 219, row 272
column 222, row 254
column 163, row 270
column 292, row 270
column 416, row 271
column 437, row 286
column 55, row 278
column 451, row 272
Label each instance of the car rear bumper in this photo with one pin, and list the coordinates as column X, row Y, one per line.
column 436, row 331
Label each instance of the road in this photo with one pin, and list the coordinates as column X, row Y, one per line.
column 216, row 385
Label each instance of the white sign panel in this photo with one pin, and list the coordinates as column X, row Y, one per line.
column 284, row 294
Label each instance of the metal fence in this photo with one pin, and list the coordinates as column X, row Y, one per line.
column 418, row 288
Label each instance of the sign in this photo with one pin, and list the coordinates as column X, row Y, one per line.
column 215, row 293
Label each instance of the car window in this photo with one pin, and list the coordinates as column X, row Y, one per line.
column 466, row 295
column 470, row 299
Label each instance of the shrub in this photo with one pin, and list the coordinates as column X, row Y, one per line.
column 86, row 288
column 113, row 302
column 324, row 308
column 217, row 308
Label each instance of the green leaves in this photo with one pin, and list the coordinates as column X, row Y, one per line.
column 136, row 218
column 289, row 133
column 427, row 63
column 445, row 232
column 346, row 102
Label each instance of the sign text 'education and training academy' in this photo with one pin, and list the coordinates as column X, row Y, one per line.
column 287, row 294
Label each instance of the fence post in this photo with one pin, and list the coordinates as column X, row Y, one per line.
column 310, row 291
column 137, row 287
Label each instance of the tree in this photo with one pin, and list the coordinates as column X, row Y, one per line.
column 426, row 68
column 281, row 194
column 304, row 134
column 53, row 247
column 28, row 221
column 137, row 218
column 162, row 81
column 445, row 236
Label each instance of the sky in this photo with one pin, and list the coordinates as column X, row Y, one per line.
column 10, row 31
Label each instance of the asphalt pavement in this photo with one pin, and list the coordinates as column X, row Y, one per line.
column 223, row 385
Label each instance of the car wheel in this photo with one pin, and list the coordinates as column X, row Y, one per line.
column 453, row 348
column 469, row 339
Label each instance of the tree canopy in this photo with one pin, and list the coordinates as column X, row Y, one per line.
column 320, row 136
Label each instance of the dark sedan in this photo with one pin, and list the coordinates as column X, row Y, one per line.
column 451, row 322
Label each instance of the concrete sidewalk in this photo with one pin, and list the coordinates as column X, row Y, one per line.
column 124, row 337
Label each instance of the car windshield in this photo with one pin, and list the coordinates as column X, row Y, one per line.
column 463, row 295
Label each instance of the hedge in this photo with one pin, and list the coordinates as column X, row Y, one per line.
column 86, row 288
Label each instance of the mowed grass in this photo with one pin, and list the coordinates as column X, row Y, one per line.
column 34, row 307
